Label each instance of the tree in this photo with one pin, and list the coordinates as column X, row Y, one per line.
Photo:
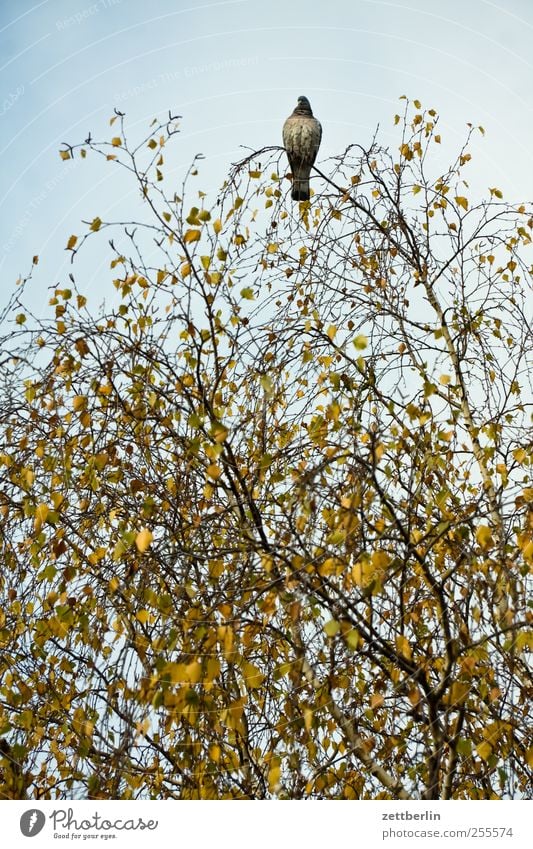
column 267, row 519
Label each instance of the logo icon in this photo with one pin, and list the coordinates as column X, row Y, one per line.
column 32, row 822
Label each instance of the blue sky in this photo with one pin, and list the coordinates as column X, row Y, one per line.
column 233, row 70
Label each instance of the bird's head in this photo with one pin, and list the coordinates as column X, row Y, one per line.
column 303, row 104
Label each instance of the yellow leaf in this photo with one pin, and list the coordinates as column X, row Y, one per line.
column 462, row 201
column 332, row 627
column 116, row 142
column 28, row 476
column 362, row 572
column 96, row 224
column 214, row 752
column 212, row 668
column 143, row 616
column 402, row 644
column 353, row 639
column 329, row 566
column 119, row 550
column 445, row 435
column 495, row 731
column 484, row 536
column 214, row 471
column 217, row 225
column 100, row 460
column 414, row 696
column 193, row 672
column 266, row 383
column 64, row 154
column 220, row 433
column 192, row 236
column 273, row 777
column 360, row 342
column 176, row 672
column 484, row 750
column 336, row 537
column 379, row 451
column 458, row 693
column 524, row 640
column 79, row 402
column 376, row 700
column 252, row 675
column 143, row 540
column 380, row 559
column 57, row 497
column 41, row 514
column 97, row 555
column 527, row 550
column 71, row 242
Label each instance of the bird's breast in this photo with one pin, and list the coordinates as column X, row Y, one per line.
column 300, row 137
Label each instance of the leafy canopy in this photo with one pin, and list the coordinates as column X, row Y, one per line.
column 267, row 517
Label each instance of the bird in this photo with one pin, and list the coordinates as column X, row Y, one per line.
column 301, row 139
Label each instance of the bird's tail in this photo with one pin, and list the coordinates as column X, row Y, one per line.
column 300, row 189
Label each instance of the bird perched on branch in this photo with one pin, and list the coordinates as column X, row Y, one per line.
column 301, row 138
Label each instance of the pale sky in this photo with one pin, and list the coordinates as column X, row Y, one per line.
column 233, row 70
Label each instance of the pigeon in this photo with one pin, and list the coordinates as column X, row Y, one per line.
column 301, row 138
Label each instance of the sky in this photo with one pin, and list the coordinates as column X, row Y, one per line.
column 233, row 70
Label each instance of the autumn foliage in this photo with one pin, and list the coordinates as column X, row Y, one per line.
column 267, row 516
